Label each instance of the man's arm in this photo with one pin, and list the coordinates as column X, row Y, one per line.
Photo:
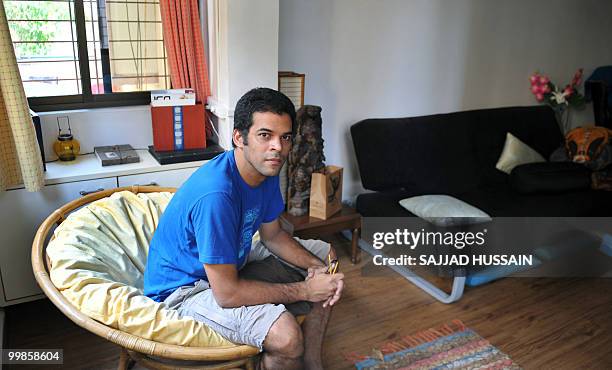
column 284, row 246
column 231, row 291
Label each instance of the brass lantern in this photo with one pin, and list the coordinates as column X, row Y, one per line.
column 66, row 147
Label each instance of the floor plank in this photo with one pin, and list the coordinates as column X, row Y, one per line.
column 540, row 323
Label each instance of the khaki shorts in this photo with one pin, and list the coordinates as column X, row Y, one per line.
column 246, row 324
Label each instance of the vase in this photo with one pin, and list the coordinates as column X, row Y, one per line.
column 563, row 118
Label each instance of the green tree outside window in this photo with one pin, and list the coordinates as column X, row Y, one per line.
column 33, row 21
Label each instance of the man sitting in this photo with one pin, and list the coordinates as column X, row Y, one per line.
column 201, row 262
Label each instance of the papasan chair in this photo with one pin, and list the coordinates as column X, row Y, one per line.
column 91, row 267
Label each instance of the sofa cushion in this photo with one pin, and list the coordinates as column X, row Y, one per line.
column 550, row 177
column 515, row 153
column 444, row 210
column 503, row 201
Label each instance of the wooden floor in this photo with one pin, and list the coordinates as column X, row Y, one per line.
column 540, row 323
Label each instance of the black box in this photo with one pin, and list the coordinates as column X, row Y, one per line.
column 211, row 151
column 36, row 122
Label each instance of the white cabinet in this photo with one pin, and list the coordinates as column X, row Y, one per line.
column 21, row 212
column 171, row 178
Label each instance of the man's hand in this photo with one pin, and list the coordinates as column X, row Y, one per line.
column 321, row 266
column 337, row 294
column 331, row 300
column 312, row 271
column 321, row 287
column 323, row 270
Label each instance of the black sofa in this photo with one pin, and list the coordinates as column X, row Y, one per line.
column 455, row 154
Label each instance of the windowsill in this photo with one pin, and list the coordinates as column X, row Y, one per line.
column 144, row 107
column 214, row 106
column 88, row 167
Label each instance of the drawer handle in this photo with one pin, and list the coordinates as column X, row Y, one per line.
column 83, row 192
column 152, row 183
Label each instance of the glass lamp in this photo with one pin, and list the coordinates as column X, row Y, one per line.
column 66, row 147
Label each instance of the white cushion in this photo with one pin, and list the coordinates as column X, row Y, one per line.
column 444, row 210
column 516, row 153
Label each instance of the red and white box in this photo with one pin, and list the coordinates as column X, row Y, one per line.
column 173, row 97
column 177, row 128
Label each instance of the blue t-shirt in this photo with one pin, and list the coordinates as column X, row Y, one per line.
column 211, row 219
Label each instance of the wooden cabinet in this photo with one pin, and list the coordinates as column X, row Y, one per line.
column 22, row 212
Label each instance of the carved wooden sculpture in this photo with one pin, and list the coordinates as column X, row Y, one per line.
column 306, row 157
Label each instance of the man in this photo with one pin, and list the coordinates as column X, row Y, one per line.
column 201, row 261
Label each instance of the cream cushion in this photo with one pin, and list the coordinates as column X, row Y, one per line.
column 515, row 153
column 98, row 256
column 444, row 210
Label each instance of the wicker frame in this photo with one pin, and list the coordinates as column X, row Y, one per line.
column 132, row 347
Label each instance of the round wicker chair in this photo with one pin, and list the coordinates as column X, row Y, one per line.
column 148, row 353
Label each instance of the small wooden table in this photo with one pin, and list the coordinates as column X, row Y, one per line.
column 311, row 227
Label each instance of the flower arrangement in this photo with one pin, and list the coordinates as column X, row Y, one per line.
column 559, row 99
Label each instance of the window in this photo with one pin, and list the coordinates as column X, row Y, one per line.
column 88, row 53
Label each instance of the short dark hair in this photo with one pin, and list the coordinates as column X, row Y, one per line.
column 260, row 99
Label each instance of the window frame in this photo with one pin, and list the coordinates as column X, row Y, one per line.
column 86, row 99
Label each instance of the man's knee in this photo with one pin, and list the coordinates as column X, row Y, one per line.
column 285, row 337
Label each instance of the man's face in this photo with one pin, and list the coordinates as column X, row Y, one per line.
column 269, row 142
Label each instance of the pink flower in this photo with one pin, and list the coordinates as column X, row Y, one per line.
column 578, row 74
column 577, row 77
column 546, row 92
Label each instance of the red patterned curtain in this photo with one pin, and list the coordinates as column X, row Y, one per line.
column 185, row 47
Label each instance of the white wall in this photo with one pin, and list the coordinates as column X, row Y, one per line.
column 252, row 46
column 244, row 54
column 394, row 58
column 97, row 127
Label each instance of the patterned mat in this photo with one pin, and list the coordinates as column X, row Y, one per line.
column 452, row 346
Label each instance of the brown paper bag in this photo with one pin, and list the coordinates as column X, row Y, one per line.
column 326, row 192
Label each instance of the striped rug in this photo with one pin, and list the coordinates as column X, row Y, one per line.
column 452, row 346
